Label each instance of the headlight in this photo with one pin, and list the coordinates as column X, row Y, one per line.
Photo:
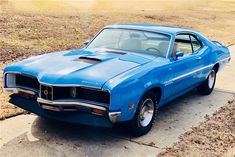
column 10, row 80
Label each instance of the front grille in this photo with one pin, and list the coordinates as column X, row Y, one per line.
column 81, row 93
column 27, row 81
column 46, row 92
column 56, row 93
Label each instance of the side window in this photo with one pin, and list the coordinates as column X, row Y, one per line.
column 183, row 44
column 195, row 43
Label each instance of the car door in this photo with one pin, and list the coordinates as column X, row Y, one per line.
column 186, row 68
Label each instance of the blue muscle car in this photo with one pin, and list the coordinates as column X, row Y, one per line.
column 125, row 73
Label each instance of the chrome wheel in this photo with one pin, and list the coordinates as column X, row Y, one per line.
column 211, row 79
column 146, row 112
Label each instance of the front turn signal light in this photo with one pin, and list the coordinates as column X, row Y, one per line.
column 98, row 112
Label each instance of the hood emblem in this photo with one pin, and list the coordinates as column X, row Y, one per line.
column 45, row 92
column 73, row 92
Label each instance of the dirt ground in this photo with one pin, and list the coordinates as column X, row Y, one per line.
column 214, row 137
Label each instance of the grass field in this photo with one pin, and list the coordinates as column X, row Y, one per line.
column 34, row 27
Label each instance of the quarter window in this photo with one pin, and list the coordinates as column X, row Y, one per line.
column 195, row 43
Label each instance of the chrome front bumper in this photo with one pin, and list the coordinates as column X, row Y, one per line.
column 17, row 90
column 113, row 116
column 75, row 103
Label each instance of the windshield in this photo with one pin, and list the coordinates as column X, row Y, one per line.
column 137, row 41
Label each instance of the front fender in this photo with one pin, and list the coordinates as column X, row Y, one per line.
column 129, row 92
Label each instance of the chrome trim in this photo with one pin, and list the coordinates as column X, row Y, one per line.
column 16, row 90
column 52, row 93
column 146, row 112
column 4, row 77
column 64, row 103
column 82, row 100
column 26, row 88
column 189, row 73
column 18, row 87
column 77, row 85
column 193, row 34
column 40, row 87
column 52, row 108
column 113, row 116
column 10, row 80
column 168, row 54
column 69, row 85
column 186, row 74
column 225, row 59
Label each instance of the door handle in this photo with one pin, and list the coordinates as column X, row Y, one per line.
column 198, row 58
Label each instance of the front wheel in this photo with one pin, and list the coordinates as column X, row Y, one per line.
column 208, row 85
column 144, row 116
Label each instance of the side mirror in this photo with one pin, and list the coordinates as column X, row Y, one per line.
column 178, row 54
column 86, row 42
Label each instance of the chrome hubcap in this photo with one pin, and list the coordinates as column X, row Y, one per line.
column 146, row 112
column 211, row 79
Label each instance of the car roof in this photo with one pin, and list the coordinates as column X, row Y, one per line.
column 151, row 27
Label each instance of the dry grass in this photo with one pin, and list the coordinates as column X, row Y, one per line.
column 34, row 27
column 215, row 137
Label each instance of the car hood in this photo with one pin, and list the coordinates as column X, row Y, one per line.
column 84, row 67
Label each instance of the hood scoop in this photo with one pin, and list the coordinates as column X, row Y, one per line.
column 89, row 60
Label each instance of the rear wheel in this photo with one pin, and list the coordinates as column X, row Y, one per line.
column 144, row 116
column 208, row 85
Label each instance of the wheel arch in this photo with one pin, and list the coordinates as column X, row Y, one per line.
column 216, row 67
column 157, row 90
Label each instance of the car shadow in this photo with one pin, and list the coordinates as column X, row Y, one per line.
column 70, row 130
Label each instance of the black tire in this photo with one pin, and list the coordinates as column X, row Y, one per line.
column 135, row 127
column 205, row 88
